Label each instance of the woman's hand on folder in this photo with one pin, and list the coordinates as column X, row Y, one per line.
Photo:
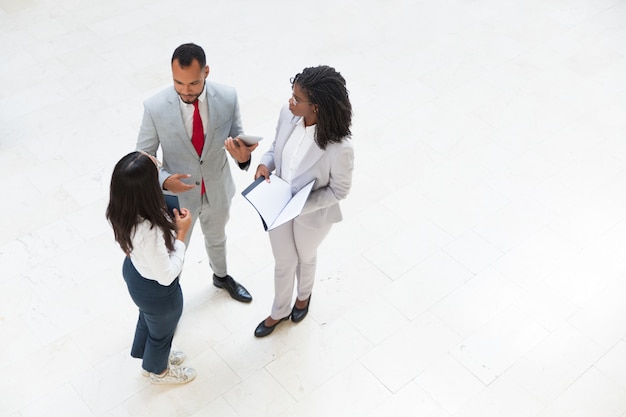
column 262, row 171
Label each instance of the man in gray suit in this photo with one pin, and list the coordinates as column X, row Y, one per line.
column 193, row 122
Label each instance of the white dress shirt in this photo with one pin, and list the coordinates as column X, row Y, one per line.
column 151, row 257
column 187, row 111
column 298, row 144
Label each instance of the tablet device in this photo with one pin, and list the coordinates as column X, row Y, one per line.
column 250, row 139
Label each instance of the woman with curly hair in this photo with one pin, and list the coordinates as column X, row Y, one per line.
column 312, row 142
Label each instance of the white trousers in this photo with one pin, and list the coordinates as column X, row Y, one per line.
column 294, row 246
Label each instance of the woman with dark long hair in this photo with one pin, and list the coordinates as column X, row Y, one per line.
column 312, row 143
column 153, row 241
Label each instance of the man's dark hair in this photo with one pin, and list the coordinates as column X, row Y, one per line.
column 187, row 53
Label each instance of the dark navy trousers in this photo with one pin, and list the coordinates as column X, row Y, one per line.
column 160, row 308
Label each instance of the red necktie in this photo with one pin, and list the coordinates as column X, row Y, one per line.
column 197, row 136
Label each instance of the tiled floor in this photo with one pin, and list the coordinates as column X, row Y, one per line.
column 480, row 269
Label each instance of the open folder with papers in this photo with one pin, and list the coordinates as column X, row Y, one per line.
column 274, row 202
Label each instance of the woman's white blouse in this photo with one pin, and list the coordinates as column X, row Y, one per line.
column 151, row 257
column 299, row 143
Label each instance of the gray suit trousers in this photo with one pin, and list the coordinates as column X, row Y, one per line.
column 213, row 223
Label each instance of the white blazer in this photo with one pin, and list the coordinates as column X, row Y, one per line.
column 331, row 168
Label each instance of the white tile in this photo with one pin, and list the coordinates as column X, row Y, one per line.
column 363, row 223
column 477, row 302
column 16, row 297
column 246, row 354
column 419, row 344
column 546, row 305
column 612, row 243
column 555, row 363
column 49, row 364
column 111, row 382
column 592, row 393
column 473, row 252
column 517, row 180
column 588, row 221
column 63, row 402
column 458, row 206
column 581, row 277
column 337, row 290
column 410, row 400
column 555, row 196
column 514, row 223
column 449, row 383
column 593, row 59
column 607, row 308
column 342, row 395
column 452, row 139
column 501, row 398
column 259, row 395
column 54, row 318
column 398, row 254
column 423, row 286
column 19, row 341
column 606, row 118
column 309, row 365
column 111, row 332
column 613, row 364
column 568, row 147
column 375, row 318
column 530, row 262
column 218, row 407
column 490, row 351
column 199, row 329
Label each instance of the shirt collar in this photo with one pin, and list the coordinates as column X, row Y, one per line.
column 310, row 130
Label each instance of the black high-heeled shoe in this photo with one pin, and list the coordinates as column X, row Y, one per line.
column 263, row 330
column 298, row 314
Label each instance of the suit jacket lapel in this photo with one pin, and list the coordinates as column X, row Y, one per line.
column 312, row 156
column 282, row 140
column 209, row 134
column 177, row 119
column 308, row 160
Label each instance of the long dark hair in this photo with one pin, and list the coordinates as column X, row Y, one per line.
column 327, row 88
column 135, row 194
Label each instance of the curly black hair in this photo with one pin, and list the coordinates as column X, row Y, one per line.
column 327, row 89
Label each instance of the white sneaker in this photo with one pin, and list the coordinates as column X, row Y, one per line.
column 176, row 358
column 174, row 375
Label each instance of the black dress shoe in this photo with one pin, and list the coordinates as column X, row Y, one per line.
column 262, row 330
column 235, row 289
column 298, row 314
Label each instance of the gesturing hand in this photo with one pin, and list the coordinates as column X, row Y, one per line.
column 175, row 184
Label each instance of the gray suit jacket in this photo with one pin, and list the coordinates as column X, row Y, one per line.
column 163, row 125
column 331, row 169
